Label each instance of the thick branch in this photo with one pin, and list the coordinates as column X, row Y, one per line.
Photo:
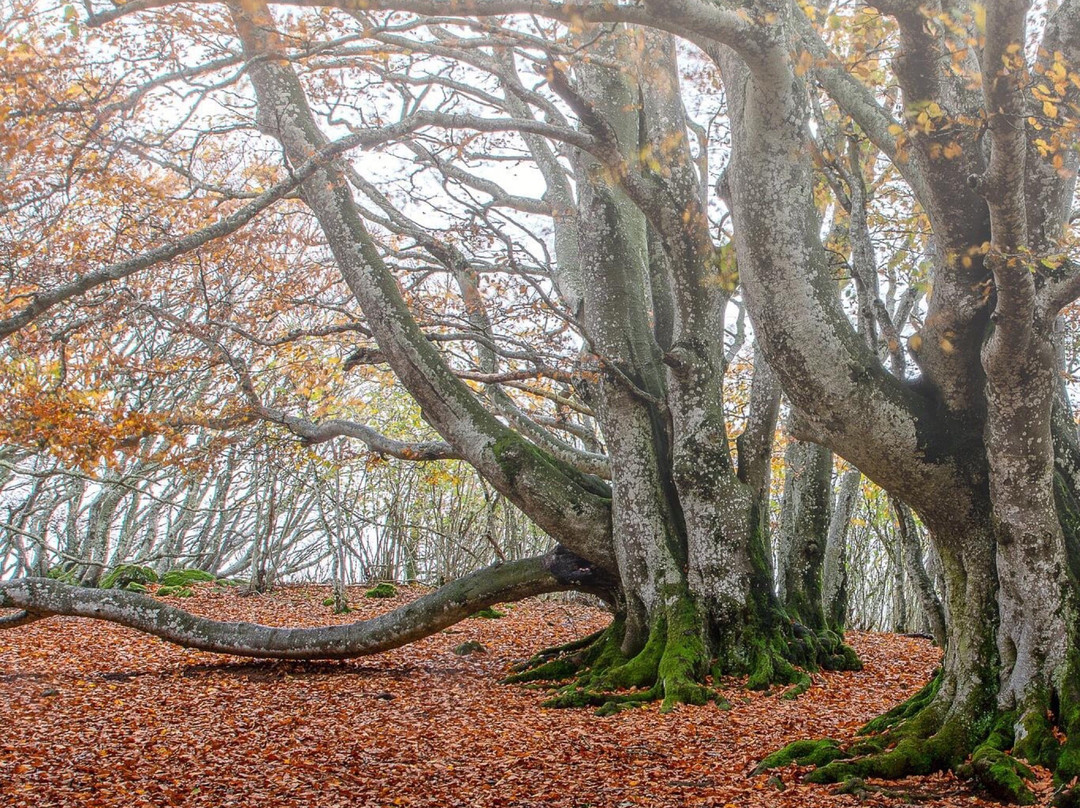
column 314, row 433
column 719, row 24
column 423, row 617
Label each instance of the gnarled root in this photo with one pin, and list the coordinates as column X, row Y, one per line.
column 784, row 654
column 993, row 747
column 557, row 663
column 673, row 664
column 670, row 667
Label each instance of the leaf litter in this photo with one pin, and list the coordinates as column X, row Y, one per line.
column 93, row 714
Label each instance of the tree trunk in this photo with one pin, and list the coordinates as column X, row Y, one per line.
column 929, row 602
column 805, row 511
column 834, row 568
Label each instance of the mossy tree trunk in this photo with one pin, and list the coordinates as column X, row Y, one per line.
column 969, row 446
column 688, row 519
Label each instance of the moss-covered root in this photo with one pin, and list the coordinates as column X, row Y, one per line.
column 921, row 744
column 906, row 709
column 773, row 660
column 671, row 667
column 805, row 753
column 561, row 662
column 1002, row 775
column 994, row 748
column 573, row 648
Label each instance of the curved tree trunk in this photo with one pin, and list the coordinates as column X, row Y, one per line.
column 557, row 571
column 970, row 446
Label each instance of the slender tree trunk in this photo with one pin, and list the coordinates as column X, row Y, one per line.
column 834, row 592
column 805, row 512
column 929, row 602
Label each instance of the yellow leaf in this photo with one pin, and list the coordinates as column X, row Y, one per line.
column 1050, row 109
column 980, row 16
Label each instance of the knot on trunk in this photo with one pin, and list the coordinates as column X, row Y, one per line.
column 571, row 569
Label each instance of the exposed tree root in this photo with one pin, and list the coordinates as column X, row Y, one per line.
column 672, row 666
column 556, row 663
column 861, row 789
column 994, row 748
column 783, row 656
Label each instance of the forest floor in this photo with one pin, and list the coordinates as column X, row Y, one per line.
column 93, row 714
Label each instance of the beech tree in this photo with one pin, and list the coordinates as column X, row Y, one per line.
column 962, row 115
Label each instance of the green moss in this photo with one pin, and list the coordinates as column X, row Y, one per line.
column 382, row 590
column 488, row 613
column 671, row 666
column 641, row 670
column 554, row 670
column 63, row 574
column 121, row 576
column 923, row 745
column 610, row 708
column 514, row 454
column 560, row 651
column 769, row 664
column 1002, row 776
column 1067, row 797
column 135, row 587
column 905, row 709
column 910, row 756
column 1068, row 761
column 180, row 577
column 1039, row 745
column 801, row 686
column 560, row 662
column 685, row 658
column 843, row 659
column 470, row 647
column 805, row 753
column 175, row 591
column 580, row 697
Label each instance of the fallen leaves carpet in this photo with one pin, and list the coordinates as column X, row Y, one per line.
column 93, row 714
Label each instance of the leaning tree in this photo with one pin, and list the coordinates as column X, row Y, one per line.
column 970, row 108
column 677, row 540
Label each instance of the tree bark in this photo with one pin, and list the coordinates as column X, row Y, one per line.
column 805, row 511
column 557, row 571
